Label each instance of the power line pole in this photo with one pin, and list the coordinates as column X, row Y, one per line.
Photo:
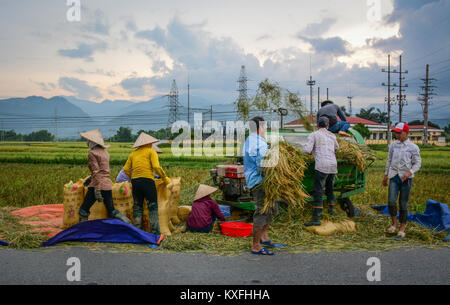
column 189, row 105
column 388, row 100
column 243, row 92
column 327, row 95
column 425, row 98
column 350, row 104
column 173, row 104
column 311, row 83
column 210, row 114
column 56, row 123
column 318, row 99
column 401, row 98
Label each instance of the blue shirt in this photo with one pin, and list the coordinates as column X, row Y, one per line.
column 255, row 149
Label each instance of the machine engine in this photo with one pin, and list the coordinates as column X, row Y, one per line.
column 231, row 181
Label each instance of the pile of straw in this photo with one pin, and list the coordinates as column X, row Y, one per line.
column 355, row 154
column 283, row 181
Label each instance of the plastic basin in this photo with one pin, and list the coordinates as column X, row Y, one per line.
column 237, row 229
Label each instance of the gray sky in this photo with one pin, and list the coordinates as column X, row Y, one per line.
column 133, row 49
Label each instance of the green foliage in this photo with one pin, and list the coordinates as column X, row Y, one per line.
column 268, row 96
column 122, row 135
column 363, row 130
column 369, row 114
column 419, row 122
column 41, row 135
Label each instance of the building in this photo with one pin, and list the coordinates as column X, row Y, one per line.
column 378, row 133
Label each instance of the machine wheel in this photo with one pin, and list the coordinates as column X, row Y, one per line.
column 347, row 205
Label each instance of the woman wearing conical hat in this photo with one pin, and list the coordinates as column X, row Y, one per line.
column 204, row 211
column 100, row 186
column 141, row 166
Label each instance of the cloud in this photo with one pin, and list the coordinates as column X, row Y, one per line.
column 79, row 87
column 157, row 35
column 99, row 25
column 332, row 45
column 135, row 86
column 83, row 50
column 317, row 29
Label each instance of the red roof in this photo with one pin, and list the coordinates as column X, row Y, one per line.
column 421, row 127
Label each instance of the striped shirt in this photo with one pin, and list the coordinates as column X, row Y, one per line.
column 323, row 144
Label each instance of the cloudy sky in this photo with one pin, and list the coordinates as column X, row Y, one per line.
column 133, row 49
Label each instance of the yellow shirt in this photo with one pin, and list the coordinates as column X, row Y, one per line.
column 144, row 162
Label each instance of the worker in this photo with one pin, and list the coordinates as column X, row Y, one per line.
column 255, row 149
column 99, row 184
column 122, row 177
column 204, row 211
column 323, row 145
column 402, row 163
column 144, row 162
column 332, row 112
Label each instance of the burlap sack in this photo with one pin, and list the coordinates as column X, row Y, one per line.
column 123, row 198
column 73, row 199
column 183, row 212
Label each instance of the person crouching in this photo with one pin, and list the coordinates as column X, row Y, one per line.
column 204, row 211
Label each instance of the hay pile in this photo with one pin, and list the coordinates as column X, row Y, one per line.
column 283, row 181
column 359, row 155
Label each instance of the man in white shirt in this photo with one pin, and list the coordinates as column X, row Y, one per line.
column 403, row 161
column 323, row 145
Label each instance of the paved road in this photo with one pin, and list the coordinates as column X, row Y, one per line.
column 401, row 266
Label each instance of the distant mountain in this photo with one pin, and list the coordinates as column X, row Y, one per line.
column 105, row 108
column 34, row 113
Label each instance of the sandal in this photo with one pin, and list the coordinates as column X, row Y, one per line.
column 391, row 230
column 263, row 251
column 270, row 244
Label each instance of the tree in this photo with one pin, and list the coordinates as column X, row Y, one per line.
column 243, row 108
column 369, row 114
column 268, row 96
column 295, row 104
column 41, row 136
column 363, row 130
column 430, row 124
column 123, row 135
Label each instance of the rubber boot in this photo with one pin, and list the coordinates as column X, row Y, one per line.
column 138, row 221
column 116, row 214
column 83, row 216
column 316, row 217
column 154, row 218
column 331, row 210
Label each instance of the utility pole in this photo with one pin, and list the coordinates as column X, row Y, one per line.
column 189, row 105
column 327, row 95
column 350, row 104
column 56, row 123
column 425, row 98
column 318, row 99
column 401, row 98
column 388, row 99
column 311, row 83
column 210, row 114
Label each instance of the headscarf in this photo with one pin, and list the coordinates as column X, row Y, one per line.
column 91, row 145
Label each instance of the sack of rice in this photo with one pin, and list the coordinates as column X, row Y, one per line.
column 183, row 212
column 73, row 199
column 123, row 198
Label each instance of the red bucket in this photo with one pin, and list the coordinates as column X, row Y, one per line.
column 237, row 229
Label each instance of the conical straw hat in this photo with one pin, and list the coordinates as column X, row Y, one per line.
column 94, row 136
column 144, row 139
column 204, row 190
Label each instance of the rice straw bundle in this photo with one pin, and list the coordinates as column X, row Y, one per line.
column 354, row 153
column 283, row 182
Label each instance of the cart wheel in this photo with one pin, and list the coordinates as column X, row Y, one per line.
column 347, row 205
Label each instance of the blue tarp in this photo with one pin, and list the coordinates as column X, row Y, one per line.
column 436, row 215
column 3, row 243
column 104, row 230
column 225, row 209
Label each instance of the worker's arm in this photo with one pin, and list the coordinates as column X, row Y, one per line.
column 216, row 210
column 127, row 167
column 336, row 144
column 341, row 114
column 388, row 165
column 93, row 164
column 154, row 160
column 309, row 145
column 416, row 160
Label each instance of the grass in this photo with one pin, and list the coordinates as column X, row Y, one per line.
column 30, row 184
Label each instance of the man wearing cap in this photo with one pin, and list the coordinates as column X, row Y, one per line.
column 100, row 185
column 145, row 163
column 332, row 112
column 323, row 145
column 204, row 211
column 403, row 161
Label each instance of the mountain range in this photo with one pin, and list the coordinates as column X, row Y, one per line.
column 66, row 116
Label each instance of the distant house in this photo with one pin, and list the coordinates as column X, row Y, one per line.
column 378, row 133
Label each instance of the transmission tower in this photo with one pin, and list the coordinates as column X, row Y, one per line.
column 243, row 91
column 174, row 105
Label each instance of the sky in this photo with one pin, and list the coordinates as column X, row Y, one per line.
column 132, row 50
